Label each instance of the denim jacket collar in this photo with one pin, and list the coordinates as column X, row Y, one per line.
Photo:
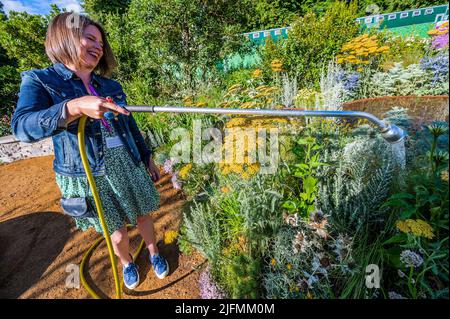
column 67, row 74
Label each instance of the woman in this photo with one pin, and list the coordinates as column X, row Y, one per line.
column 52, row 100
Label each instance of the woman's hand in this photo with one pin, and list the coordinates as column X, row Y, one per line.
column 153, row 170
column 91, row 106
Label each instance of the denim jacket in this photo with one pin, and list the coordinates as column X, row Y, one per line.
column 40, row 113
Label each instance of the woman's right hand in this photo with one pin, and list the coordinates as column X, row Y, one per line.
column 92, row 106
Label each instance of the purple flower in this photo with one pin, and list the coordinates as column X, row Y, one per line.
column 438, row 65
column 440, row 41
column 168, row 168
column 411, row 259
column 175, row 183
column 208, row 288
column 350, row 80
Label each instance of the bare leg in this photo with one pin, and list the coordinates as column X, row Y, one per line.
column 121, row 245
column 147, row 231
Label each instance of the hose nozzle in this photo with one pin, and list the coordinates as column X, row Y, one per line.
column 393, row 134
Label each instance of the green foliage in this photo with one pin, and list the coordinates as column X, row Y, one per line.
column 265, row 14
column 405, row 50
column 96, row 8
column 399, row 81
column 240, row 77
column 239, row 276
column 22, row 38
column 181, row 41
column 314, row 40
column 353, row 190
column 306, row 261
column 202, row 230
column 23, row 35
column 307, row 150
column 426, row 200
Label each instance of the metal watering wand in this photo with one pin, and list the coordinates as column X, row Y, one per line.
column 389, row 132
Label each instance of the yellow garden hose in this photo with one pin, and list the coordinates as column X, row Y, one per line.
column 98, row 205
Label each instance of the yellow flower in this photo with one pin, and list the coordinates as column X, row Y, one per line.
column 201, row 104
column 223, row 104
column 247, row 105
column 360, row 69
column 444, row 176
column 170, row 236
column 273, row 262
column 224, row 189
column 234, row 86
column 226, row 170
column 188, row 101
column 276, row 65
column 257, row 73
column 236, row 168
column 253, row 168
column 402, row 226
column 185, row 170
column 245, row 175
column 238, row 121
column 261, row 87
column 289, row 266
column 260, row 95
column 417, row 227
column 425, row 230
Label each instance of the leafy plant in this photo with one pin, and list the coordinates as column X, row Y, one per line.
column 314, row 40
column 307, row 150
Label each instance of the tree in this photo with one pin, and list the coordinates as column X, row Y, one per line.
column 22, row 37
column 314, row 40
column 180, row 41
column 95, row 7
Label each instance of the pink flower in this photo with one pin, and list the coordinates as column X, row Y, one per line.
column 168, row 168
column 175, row 183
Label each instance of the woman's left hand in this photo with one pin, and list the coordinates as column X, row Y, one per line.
column 153, row 170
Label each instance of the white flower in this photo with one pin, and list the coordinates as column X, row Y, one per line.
column 168, row 166
column 411, row 259
column 175, row 183
column 394, row 295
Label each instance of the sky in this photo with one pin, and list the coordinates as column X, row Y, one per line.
column 39, row 6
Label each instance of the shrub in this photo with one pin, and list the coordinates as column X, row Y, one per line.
column 314, row 40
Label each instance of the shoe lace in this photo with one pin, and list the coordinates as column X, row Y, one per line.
column 130, row 271
column 159, row 262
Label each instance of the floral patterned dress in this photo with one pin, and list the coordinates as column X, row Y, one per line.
column 126, row 190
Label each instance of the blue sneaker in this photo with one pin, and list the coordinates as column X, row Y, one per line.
column 160, row 265
column 131, row 276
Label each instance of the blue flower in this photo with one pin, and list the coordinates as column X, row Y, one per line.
column 438, row 65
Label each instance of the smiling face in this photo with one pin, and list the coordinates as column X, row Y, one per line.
column 79, row 43
column 91, row 46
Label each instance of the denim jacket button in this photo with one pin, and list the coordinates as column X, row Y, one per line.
column 124, row 135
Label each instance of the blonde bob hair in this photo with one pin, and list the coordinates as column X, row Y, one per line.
column 63, row 42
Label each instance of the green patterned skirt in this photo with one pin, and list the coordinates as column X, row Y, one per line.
column 126, row 190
